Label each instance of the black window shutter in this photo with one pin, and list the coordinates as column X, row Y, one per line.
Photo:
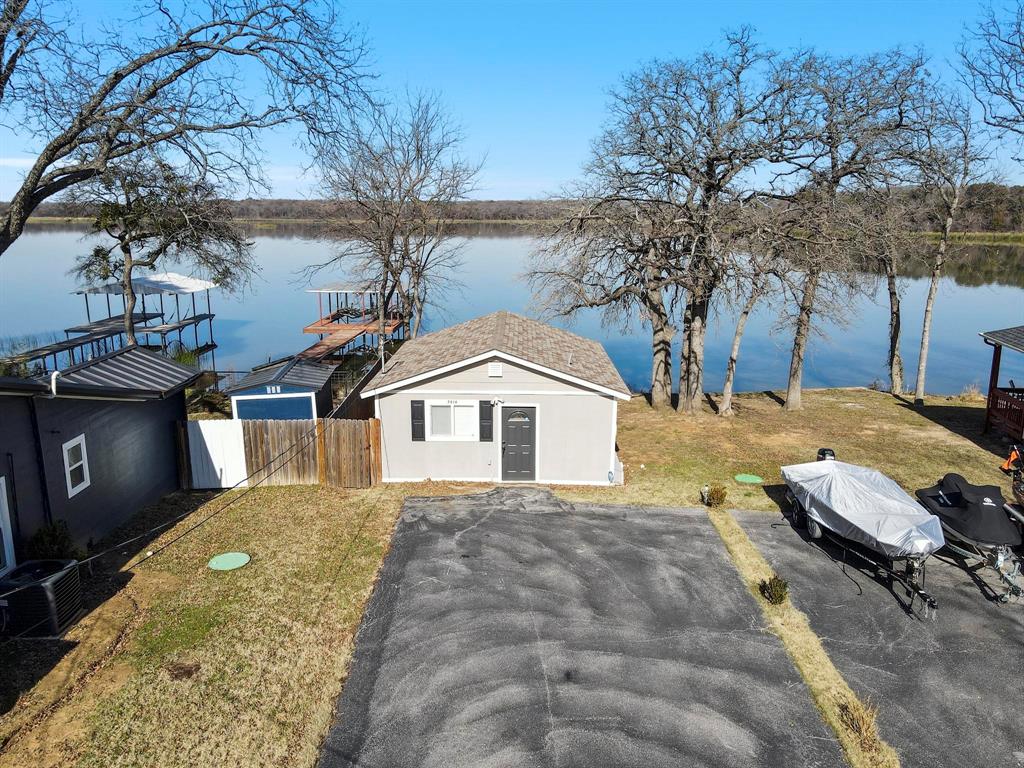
column 418, row 424
column 486, row 421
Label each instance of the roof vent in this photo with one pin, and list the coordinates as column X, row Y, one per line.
column 494, row 370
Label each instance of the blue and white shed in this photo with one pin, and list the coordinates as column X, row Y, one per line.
column 288, row 389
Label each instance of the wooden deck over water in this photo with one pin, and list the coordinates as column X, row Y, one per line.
column 340, row 334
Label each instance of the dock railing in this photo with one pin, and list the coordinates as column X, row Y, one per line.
column 1006, row 411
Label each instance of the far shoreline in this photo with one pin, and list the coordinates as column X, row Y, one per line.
column 966, row 238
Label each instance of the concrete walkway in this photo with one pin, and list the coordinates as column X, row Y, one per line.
column 950, row 690
column 513, row 629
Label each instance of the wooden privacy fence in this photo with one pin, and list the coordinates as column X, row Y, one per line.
column 339, row 452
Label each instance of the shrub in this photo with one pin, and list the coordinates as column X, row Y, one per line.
column 53, row 542
column 774, row 590
column 972, row 392
column 861, row 720
column 716, row 495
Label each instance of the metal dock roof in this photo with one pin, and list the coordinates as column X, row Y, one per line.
column 131, row 369
column 292, row 372
column 343, row 288
column 1012, row 338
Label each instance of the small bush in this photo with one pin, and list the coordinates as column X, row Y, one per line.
column 774, row 590
column 53, row 542
column 971, row 393
column 860, row 719
column 716, row 495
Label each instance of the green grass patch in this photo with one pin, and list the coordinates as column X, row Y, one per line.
column 173, row 630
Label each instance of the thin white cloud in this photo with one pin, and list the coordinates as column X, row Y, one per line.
column 16, row 162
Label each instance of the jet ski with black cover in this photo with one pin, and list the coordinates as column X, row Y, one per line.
column 978, row 528
column 868, row 515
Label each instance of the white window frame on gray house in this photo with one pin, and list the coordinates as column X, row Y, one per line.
column 7, row 561
column 70, row 466
column 473, row 406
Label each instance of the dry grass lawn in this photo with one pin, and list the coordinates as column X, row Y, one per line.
column 668, row 457
column 184, row 666
column 181, row 666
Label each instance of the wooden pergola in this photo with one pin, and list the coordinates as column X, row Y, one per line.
column 1005, row 409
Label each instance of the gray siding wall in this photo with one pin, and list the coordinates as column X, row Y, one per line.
column 131, row 452
column 574, row 428
column 19, row 466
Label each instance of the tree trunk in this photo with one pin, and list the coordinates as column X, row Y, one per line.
column 730, row 369
column 929, row 306
column 794, row 393
column 693, row 393
column 895, row 320
column 129, row 294
column 662, row 334
column 684, row 353
column 417, row 318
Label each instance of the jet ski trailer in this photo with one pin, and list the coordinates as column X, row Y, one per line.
column 868, row 515
column 979, row 527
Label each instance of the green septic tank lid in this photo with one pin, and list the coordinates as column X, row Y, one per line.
column 228, row 561
column 751, row 479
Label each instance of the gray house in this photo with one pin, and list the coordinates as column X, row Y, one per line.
column 501, row 398
column 89, row 446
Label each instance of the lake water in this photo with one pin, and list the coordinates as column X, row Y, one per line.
column 266, row 320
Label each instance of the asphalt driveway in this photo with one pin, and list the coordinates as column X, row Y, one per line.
column 950, row 690
column 512, row 629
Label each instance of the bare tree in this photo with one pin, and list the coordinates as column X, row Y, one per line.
column 394, row 178
column 888, row 243
column 949, row 155
column 155, row 214
column 91, row 103
column 690, row 135
column 761, row 270
column 613, row 255
column 858, row 117
column 992, row 67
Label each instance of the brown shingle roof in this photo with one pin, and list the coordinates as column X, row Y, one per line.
column 530, row 340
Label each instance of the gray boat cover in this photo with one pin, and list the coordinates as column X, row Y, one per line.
column 865, row 506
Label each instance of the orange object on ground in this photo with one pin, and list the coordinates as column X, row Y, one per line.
column 1013, row 462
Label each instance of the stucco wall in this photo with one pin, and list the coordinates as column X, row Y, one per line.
column 574, row 428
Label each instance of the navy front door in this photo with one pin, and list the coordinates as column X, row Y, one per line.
column 518, row 443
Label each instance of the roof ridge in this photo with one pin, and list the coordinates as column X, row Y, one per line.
column 499, row 329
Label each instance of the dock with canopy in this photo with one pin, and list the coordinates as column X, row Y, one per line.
column 104, row 331
column 353, row 313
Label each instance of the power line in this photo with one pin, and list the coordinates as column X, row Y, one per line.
column 300, row 442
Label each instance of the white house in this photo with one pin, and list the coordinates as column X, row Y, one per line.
column 501, row 398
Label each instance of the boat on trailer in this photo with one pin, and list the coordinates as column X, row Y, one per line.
column 868, row 515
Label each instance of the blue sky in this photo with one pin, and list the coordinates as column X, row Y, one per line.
column 528, row 81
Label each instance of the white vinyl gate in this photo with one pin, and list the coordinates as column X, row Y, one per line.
column 216, row 451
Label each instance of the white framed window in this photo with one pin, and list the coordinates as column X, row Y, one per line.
column 76, row 465
column 452, row 419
